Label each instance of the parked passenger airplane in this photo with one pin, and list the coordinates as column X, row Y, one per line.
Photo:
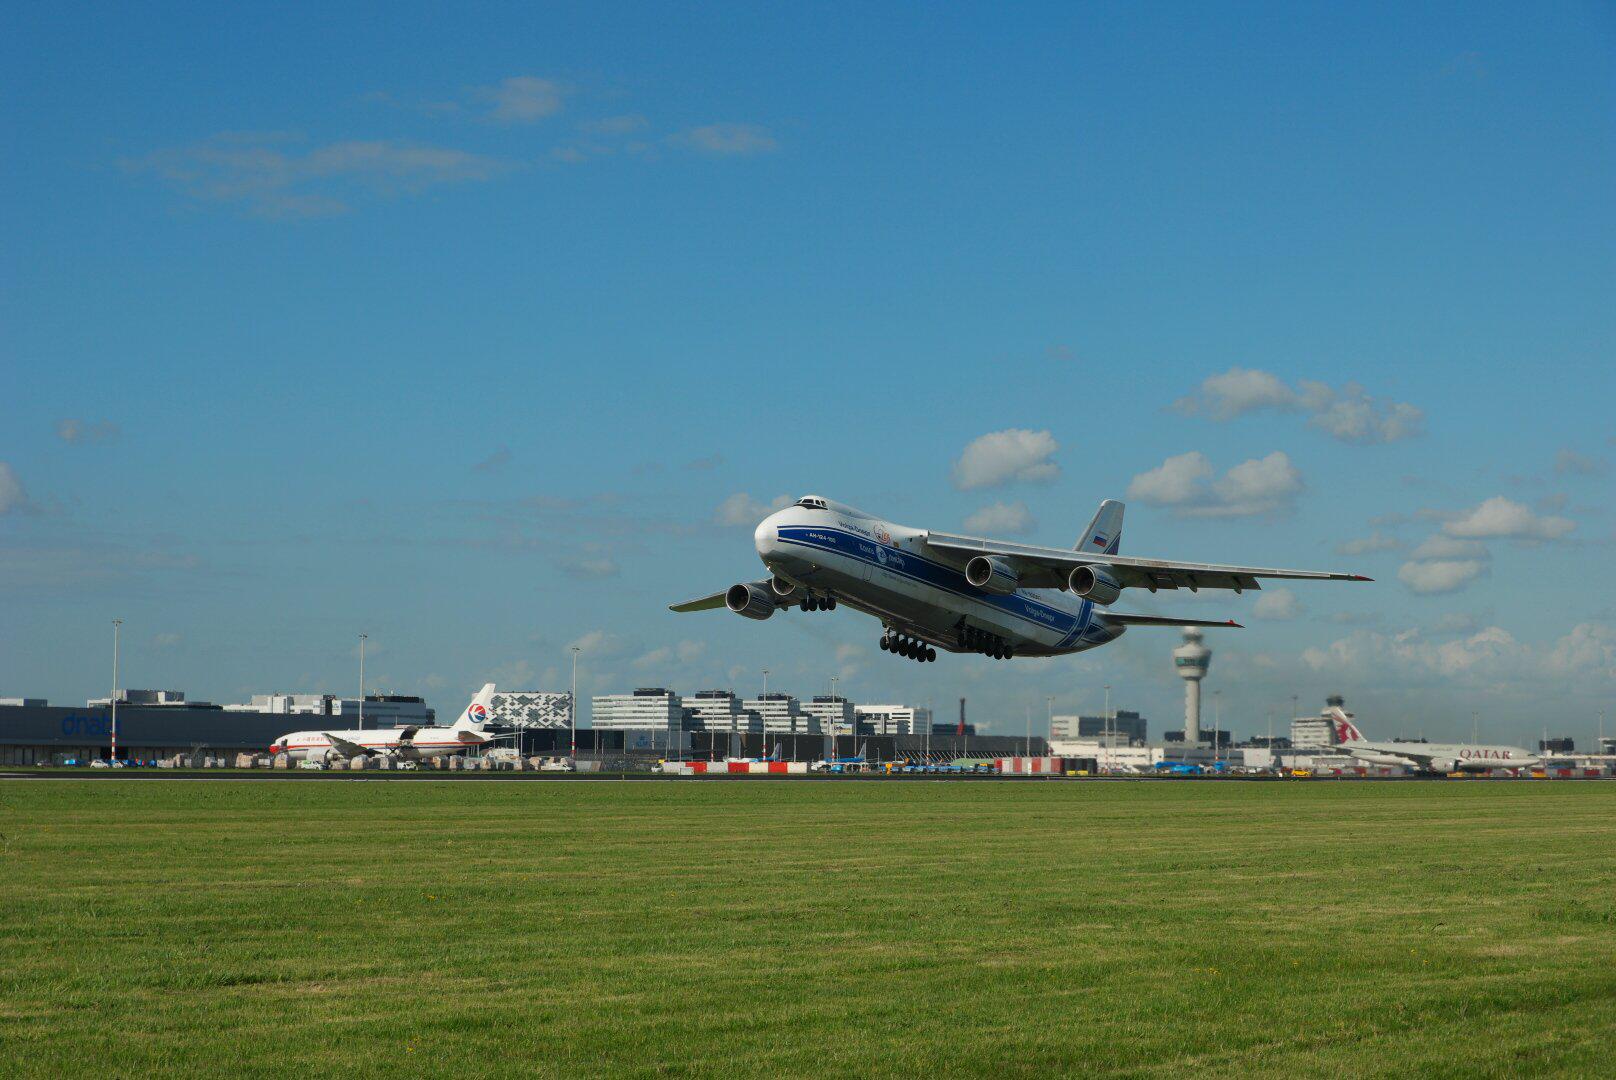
column 414, row 741
column 934, row 590
column 1427, row 757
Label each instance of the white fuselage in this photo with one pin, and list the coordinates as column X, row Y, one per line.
column 887, row 571
column 1442, row 757
column 427, row 742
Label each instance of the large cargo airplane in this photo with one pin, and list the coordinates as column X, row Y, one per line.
column 934, row 590
column 1427, row 757
column 413, row 741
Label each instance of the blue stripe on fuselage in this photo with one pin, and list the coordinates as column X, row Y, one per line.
column 937, row 575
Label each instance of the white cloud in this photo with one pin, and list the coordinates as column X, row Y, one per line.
column 1008, row 519
column 1500, row 518
column 1491, row 655
column 616, row 125
column 522, row 99
column 728, row 140
column 1278, row 605
column 597, row 644
column 1363, row 545
column 1004, row 457
column 655, row 658
column 1348, row 414
column 1569, row 461
column 80, row 431
column 1236, row 392
column 1438, row 546
column 685, row 652
column 272, row 179
column 1178, row 480
column 589, row 567
column 741, row 509
column 13, row 496
column 1184, row 483
column 1440, row 575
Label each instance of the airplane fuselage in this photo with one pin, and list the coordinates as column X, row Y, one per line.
column 427, row 742
column 1442, row 757
column 887, row 571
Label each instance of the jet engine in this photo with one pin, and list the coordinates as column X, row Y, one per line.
column 1094, row 583
column 992, row 574
column 753, row 601
column 781, row 586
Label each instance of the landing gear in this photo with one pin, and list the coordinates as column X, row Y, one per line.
column 818, row 603
column 906, row 646
column 978, row 640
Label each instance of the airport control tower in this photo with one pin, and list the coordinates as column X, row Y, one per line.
column 1191, row 660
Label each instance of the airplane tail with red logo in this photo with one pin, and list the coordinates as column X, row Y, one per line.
column 479, row 712
column 1345, row 730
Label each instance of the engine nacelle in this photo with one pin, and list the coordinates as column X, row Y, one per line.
column 1094, row 583
column 992, row 574
column 753, row 601
column 781, row 586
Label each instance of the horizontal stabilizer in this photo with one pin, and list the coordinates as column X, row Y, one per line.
column 1124, row 619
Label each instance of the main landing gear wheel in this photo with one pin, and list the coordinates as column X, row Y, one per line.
column 990, row 645
column 817, row 603
column 909, row 647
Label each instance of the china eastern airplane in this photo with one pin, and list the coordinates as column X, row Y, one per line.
column 962, row 594
column 412, row 741
column 1427, row 757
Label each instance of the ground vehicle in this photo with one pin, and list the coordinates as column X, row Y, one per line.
column 408, row 766
column 556, row 764
column 311, row 764
column 100, row 763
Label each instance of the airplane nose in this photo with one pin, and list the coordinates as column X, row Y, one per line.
column 763, row 536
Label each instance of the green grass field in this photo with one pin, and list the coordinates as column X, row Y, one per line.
column 777, row 927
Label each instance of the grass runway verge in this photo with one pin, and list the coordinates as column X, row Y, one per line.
column 777, row 927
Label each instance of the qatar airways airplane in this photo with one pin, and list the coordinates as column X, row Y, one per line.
column 934, row 590
column 1427, row 757
column 413, row 741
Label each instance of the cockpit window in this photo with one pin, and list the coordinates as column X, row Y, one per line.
column 812, row 502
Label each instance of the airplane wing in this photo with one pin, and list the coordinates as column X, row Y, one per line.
column 349, row 749
column 1048, row 568
column 1163, row 620
column 703, row 603
column 716, row 600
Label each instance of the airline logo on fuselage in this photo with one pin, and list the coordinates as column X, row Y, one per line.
column 1485, row 753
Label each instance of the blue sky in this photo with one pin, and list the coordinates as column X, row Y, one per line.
column 469, row 327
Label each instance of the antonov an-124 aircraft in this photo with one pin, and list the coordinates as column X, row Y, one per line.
column 962, row 594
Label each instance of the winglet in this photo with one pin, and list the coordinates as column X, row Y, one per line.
column 1358, row 577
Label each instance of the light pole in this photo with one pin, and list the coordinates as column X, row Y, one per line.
column 1029, row 732
column 116, row 625
column 1217, row 720
column 1105, row 722
column 362, row 638
column 572, row 708
column 1049, row 718
column 765, row 714
column 833, row 679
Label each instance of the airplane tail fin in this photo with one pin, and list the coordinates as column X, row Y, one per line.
column 1345, row 730
column 479, row 712
column 1104, row 534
